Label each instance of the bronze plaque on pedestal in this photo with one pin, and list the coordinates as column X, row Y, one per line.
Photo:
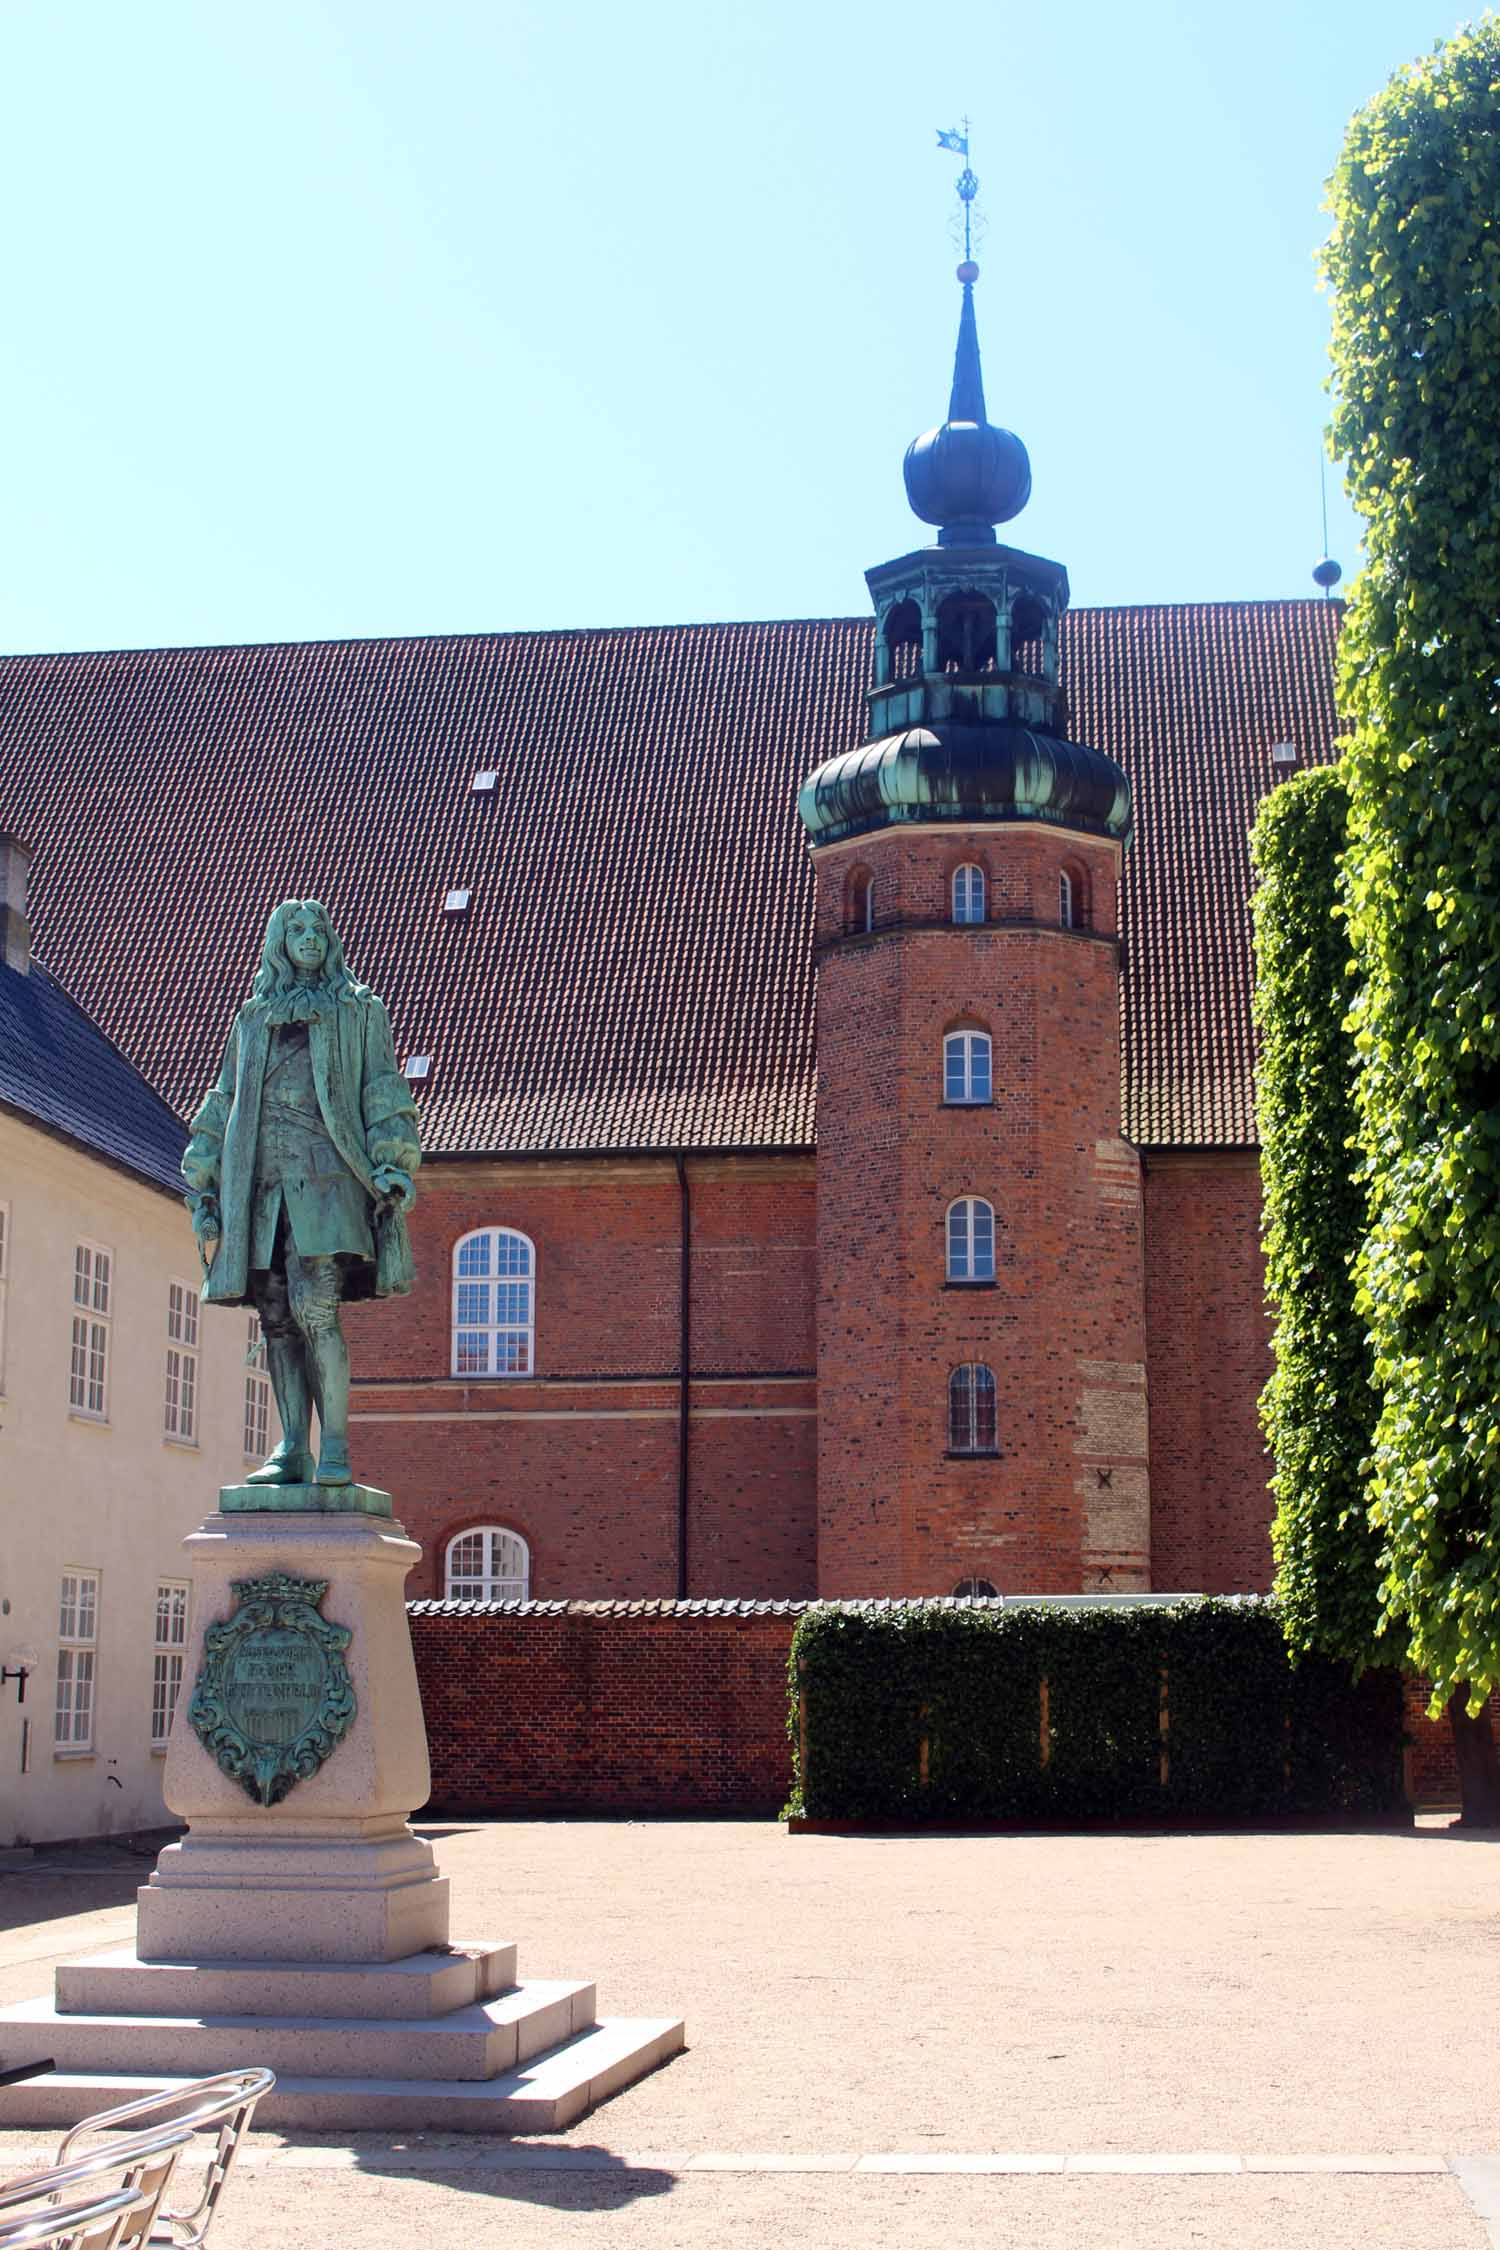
column 273, row 1698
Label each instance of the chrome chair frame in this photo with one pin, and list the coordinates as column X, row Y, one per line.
column 199, row 2105
column 147, row 2161
column 94, row 2224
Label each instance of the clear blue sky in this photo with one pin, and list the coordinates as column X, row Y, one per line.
column 373, row 318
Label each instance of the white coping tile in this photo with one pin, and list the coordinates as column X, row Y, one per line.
column 1162, row 2161
column 937, row 2160
column 717, row 2160
column 1368, row 2163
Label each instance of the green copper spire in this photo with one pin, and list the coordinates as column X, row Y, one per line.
column 967, row 401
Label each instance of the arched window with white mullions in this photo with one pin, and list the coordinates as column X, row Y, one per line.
column 490, row 1564
column 968, row 893
column 1065, row 899
column 971, row 1239
column 494, row 1303
column 971, row 1410
column 966, row 1067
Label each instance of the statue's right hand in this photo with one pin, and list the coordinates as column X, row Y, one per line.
column 207, row 1224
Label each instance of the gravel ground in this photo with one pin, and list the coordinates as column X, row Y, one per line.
column 1256, row 1995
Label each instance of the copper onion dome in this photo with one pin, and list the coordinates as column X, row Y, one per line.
column 966, row 476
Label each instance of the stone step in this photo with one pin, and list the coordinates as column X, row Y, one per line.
column 541, row 2095
column 119, row 1983
column 477, row 2042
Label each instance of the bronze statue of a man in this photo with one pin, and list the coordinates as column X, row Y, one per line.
column 300, row 1171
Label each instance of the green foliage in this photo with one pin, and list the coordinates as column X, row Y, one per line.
column 1319, row 1407
column 1248, row 1736
column 1414, row 262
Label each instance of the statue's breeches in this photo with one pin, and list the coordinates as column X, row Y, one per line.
column 297, row 1168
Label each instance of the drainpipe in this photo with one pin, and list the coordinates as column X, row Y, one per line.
column 684, row 1365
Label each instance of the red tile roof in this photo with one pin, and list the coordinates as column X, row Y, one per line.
column 634, row 970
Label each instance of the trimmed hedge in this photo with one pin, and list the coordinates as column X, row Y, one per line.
column 931, row 1713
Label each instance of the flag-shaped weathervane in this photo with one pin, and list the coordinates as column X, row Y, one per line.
column 956, row 139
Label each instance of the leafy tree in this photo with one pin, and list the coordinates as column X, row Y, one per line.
column 1414, row 262
column 1319, row 1407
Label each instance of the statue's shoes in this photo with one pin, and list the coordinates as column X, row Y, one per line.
column 333, row 1466
column 292, row 1467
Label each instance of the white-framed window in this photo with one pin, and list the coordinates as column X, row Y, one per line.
column 180, row 1418
column 971, row 1239
column 971, row 1410
column 968, row 893
column 976, row 1590
column 257, row 1393
column 1065, row 899
column 494, row 1303
column 4, row 1277
column 88, row 1372
column 77, row 1648
column 966, row 1067
column 487, row 1565
column 167, row 1655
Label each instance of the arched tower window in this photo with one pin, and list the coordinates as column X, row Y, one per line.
column 1073, row 898
column 966, row 633
column 494, row 1303
column 859, row 901
column 903, row 638
column 491, row 1564
column 1028, row 635
column 968, row 893
column 966, row 1067
column 971, row 1410
column 971, row 1239
column 976, row 1590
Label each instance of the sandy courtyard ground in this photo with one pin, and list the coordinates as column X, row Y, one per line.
column 1254, row 2002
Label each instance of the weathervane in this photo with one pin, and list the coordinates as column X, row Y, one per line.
column 967, row 183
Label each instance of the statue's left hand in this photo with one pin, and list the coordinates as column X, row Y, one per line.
column 393, row 1185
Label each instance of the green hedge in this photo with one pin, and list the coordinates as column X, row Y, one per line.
column 932, row 1713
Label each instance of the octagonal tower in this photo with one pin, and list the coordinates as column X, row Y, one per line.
column 981, row 1346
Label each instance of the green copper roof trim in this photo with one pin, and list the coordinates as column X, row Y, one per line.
column 966, row 773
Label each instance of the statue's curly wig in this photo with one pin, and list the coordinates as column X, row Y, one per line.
column 276, row 979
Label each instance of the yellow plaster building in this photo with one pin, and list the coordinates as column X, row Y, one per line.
column 123, row 1407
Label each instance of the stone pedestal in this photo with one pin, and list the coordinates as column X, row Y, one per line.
column 332, row 1872
column 310, row 1933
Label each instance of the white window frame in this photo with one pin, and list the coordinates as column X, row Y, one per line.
column 964, row 1080
column 1065, row 899
column 168, row 1651
column 969, row 1386
column 862, row 902
column 180, row 1398
column 487, row 1563
column 969, row 880
column 77, row 1660
column 970, row 1239
column 88, row 1367
column 257, row 1428
column 492, row 1346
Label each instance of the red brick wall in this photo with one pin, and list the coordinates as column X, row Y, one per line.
column 654, row 1709
column 1208, row 1357
column 582, row 1458
column 1431, row 1768
column 1064, row 1507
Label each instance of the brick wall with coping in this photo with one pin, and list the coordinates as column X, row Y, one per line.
column 655, row 1707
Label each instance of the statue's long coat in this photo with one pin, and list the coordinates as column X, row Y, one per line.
column 367, row 1110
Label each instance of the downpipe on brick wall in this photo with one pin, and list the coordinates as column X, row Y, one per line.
column 684, row 1366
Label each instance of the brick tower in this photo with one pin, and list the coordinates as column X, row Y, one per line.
column 981, row 1347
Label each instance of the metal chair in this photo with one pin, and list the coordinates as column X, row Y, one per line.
column 147, row 2161
column 223, row 2105
column 91, row 2225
